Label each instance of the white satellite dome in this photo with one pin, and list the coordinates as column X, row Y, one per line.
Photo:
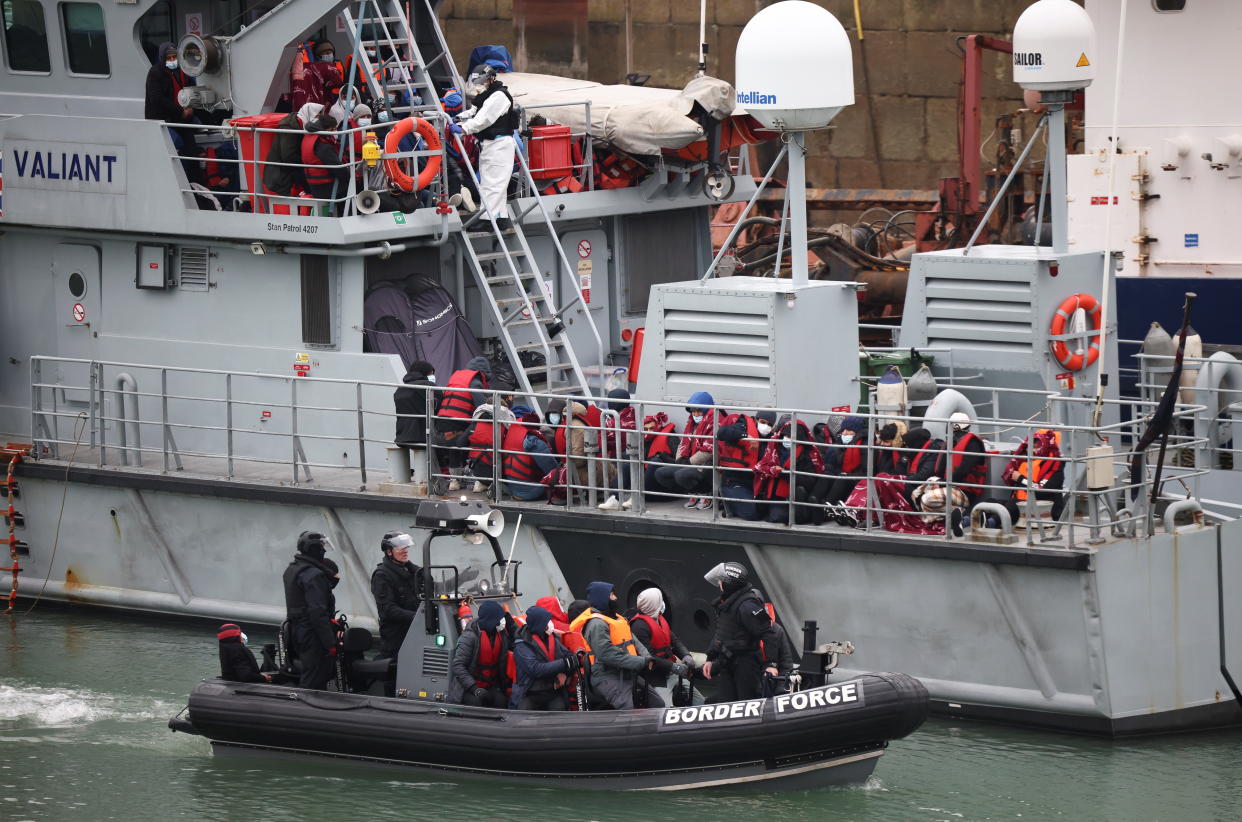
column 1054, row 47
column 795, row 68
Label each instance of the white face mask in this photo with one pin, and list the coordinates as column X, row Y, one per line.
column 549, row 630
column 763, row 428
column 787, row 443
column 847, row 438
column 431, row 378
column 170, row 64
column 364, row 121
column 370, row 54
column 245, row 639
column 696, row 418
column 554, row 419
column 327, row 57
column 500, row 626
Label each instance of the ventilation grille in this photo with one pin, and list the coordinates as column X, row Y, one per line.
column 723, row 348
column 435, row 662
column 192, row 268
column 970, row 314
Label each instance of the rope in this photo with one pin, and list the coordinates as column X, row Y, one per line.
column 80, row 426
column 12, row 517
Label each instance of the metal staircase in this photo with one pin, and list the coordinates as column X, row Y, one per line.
column 508, row 279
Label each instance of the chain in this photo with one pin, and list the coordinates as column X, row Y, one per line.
column 11, row 516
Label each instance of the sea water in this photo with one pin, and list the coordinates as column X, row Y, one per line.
column 85, row 696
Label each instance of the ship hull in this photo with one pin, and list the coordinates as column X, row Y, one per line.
column 1140, row 636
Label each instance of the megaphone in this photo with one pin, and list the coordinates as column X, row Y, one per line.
column 367, row 201
column 491, row 523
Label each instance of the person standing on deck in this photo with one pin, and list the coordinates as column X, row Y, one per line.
column 733, row 659
column 492, row 119
column 396, row 584
column 309, row 608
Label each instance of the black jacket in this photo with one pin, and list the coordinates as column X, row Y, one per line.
column 237, row 663
column 161, row 90
column 741, row 620
column 412, row 430
column 286, row 148
column 642, row 632
column 396, row 587
column 776, row 650
column 506, row 123
column 309, row 600
column 465, row 661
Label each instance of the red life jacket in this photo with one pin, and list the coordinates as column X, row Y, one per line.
column 487, row 663
column 547, row 644
column 659, row 442
column 661, row 635
column 979, row 474
column 742, row 455
column 459, row 404
column 518, row 465
column 924, row 451
column 852, row 460
column 559, row 441
column 316, row 172
column 481, row 438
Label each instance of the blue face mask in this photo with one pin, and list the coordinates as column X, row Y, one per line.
column 327, row 57
column 170, row 65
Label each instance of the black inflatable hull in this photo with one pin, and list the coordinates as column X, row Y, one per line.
column 822, row 736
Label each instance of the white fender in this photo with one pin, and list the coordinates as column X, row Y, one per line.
column 1221, row 373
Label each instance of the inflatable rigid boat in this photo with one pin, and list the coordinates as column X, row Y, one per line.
column 829, row 735
column 825, row 732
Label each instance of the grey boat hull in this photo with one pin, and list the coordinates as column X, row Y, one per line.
column 1140, row 636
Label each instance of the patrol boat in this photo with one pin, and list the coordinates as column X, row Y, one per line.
column 826, row 733
column 188, row 388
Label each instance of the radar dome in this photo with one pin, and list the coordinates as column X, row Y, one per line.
column 795, row 69
column 1054, row 47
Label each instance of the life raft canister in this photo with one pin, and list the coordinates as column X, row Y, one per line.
column 392, row 143
column 1060, row 351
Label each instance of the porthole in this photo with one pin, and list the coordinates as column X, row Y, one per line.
column 77, row 284
column 1169, row 5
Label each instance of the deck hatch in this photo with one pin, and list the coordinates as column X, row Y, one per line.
column 192, row 268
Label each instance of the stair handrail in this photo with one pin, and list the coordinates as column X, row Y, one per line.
column 458, row 82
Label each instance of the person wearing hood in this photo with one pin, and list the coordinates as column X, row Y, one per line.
column 527, row 458
column 615, row 446
column 480, row 660
column 651, row 628
column 466, row 391
column 582, row 417
column 310, row 608
column 560, row 619
column 615, row 657
column 165, row 80
column 410, row 401
column 888, row 456
column 698, row 441
column 542, row 665
column 849, row 460
column 773, row 472
column 734, row 662
column 557, row 427
column 325, row 167
column 237, row 662
column 397, row 585
column 317, row 81
column 659, row 450
column 483, row 440
column 282, row 167
column 742, row 440
column 463, row 191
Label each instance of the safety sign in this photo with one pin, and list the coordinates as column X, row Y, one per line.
column 584, row 249
column 79, row 313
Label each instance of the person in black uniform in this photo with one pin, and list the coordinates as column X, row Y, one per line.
column 411, row 404
column 310, row 607
column 396, row 584
column 237, row 662
column 733, row 659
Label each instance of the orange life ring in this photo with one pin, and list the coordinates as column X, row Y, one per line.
column 392, row 143
column 1061, row 351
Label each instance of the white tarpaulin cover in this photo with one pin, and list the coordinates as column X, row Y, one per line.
column 636, row 119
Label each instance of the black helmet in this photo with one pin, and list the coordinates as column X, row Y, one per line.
column 312, row 543
column 395, row 539
column 730, row 574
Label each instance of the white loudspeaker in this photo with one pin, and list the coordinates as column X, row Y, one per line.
column 493, row 522
column 367, row 202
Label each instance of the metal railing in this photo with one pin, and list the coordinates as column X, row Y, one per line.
column 198, row 417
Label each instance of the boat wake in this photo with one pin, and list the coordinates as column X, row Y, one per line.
column 32, row 706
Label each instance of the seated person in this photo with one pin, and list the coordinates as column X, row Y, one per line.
column 692, row 472
column 542, row 664
column 778, row 661
column 527, row 458
column 772, row 475
column 480, row 660
column 653, row 631
column 847, row 459
column 237, row 662
column 659, row 449
column 888, row 457
column 1043, row 472
column 615, row 657
column 560, row 620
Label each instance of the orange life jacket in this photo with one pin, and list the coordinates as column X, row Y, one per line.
column 619, row 632
column 1043, row 470
column 518, row 465
column 661, row 636
column 459, row 403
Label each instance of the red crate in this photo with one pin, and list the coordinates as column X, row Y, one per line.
column 551, row 152
column 248, row 141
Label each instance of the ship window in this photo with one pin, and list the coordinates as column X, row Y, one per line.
column 316, row 300
column 85, row 41
column 25, row 36
column 155, row 26
column 77, row 284
column 1169, row 5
